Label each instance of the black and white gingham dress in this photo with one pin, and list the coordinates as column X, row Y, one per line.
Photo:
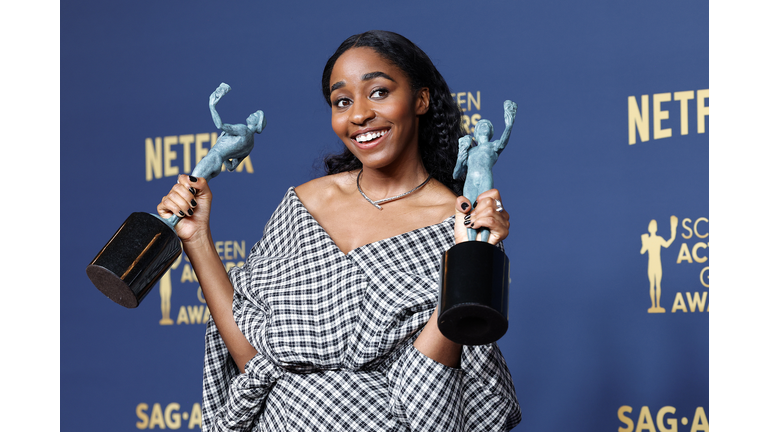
column 334, row 335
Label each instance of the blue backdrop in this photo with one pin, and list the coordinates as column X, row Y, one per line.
column 612, row 132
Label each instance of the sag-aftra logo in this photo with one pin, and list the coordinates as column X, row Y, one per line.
column 691, row 258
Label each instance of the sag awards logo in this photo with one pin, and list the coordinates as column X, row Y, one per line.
column 171, row 417
column 667, row 419
column 469, row 103
column 232, row 253
column 653, row 246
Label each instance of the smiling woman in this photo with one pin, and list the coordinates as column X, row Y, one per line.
column 375, row 111
column 439, row 129
column 331, row 322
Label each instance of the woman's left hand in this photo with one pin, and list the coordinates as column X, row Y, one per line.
column 484, row 215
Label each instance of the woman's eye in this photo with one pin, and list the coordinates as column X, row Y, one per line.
column 343, row 103
column 379, row 93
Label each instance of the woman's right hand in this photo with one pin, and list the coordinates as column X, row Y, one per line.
column 190, row 200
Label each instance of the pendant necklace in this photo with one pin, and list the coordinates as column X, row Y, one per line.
column 382, row 201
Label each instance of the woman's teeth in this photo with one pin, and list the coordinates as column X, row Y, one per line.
column 369, row 136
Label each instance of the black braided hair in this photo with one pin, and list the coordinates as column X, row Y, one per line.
column 439, row 128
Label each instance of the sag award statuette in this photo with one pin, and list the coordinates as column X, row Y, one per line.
column 146, row 245
column 474, row 275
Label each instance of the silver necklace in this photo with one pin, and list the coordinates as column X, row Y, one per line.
column 382, row 201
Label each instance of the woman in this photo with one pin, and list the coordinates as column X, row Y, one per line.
column 331, row 323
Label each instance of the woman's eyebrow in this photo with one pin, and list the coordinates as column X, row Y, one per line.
column 367, row 77
column 372, row 75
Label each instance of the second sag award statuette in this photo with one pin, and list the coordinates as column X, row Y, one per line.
column 146, row 245
column 473, row 302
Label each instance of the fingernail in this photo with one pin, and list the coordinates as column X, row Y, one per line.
column 466, row 222
column 467, row 217
column 464, row 206
column 192, row 178
column 474, row 205
column 193, row 190
column 181, row 213
column 190, row 212
column 472, row 225
column 194, row 203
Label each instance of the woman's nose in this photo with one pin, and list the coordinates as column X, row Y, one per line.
column 362, row 112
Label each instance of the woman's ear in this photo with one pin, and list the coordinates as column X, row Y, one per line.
column 422, row 101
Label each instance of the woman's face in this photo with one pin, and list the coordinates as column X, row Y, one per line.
column 374, row 110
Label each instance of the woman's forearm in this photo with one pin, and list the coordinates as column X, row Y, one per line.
column 219, row 293
column 434, row 345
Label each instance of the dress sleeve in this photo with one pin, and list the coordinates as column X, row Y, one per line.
column 490, row 401
column 245, row 397
column 427, row 395
column 233, row 400
column 218, row 370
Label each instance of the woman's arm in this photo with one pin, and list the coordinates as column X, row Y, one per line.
column 434, row 345
column 194, row 231
column 218, row 293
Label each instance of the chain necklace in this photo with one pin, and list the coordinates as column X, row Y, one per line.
column 382, row 201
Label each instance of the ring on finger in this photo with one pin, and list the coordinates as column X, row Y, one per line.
column 499, row 208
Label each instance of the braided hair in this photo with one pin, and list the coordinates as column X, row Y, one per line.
column 439, row 128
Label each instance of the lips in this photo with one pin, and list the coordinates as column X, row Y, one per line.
column 369, row 138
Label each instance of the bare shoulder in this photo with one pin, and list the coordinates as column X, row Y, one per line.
column 324, row 189
column 440, row 202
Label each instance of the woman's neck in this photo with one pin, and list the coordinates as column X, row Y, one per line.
column 380, row 183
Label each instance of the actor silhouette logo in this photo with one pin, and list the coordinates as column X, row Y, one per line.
column 654, row 245
column 231, row 252
column 166, row 288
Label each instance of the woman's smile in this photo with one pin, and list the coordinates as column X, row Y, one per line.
column 375, row 110
column 367, row 139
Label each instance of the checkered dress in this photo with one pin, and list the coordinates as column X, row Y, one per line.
column 334, row 335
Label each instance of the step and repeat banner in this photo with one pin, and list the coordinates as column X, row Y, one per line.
column 605, row 178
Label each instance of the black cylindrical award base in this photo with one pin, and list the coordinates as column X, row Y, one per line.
column 473, row 304
column 130, row 264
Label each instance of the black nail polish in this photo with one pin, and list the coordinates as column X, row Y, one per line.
column 192, row 179
column 190, row 212
column 474, row 205
column 467, row 217
column 194, row 203
column 466, row 222
column 181, row 213
column 193, row 190
column 464, row 206
column 472, row 225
